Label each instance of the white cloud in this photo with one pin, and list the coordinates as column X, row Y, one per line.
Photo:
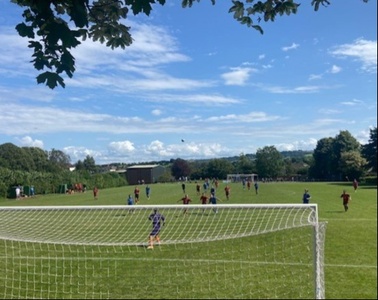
column 292, row 47
column 251, row 117
column 123, row 147
column 156, row 112
column 361, row 50
column 307, row 145
column 315, row 76
column 353, row 102
column 195, row 99
column 295, row 90
column 269, row 66
column 27, row 141
column 79, row 153
column 328, row 111
column 237, row 76
column 335, row 69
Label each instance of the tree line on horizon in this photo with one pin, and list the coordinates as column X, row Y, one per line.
column 333, row 159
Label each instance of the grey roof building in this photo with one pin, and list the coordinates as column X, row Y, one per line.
column 144, row 173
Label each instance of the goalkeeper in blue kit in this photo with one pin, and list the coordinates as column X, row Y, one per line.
column 157, row 222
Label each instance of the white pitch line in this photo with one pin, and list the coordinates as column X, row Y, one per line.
column 351, row 266
column 352, row 220
column 211, row 261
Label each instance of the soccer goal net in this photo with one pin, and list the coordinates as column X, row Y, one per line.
column 205, row 251
column 241, row 177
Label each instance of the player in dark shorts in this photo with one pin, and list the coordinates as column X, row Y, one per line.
column 185, row 200
column 136, row 195
column 213, row 200
column 157, row 222
column 346, row 198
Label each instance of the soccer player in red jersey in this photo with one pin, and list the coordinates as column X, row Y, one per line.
column 227, row 190
column 136, row 195
column 185, row 200
column 346, row 198
column 95, row 193
column 355, row 184
column 203, row 198
column 249, row 184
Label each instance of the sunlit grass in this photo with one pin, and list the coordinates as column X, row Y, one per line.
column 350, row 248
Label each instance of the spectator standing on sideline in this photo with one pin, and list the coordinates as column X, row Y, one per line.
column 183, row 187
column 355, row 185
column 18, row 192
column 95, row 192
column 32, row 191
column 157, row 222
column 306, row 197
column 346, row 198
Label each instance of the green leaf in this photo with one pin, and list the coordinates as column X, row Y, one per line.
column 138, row 6
column 50, row 79
column 237, row 9
column 246, row 21
column 36, row 45
column 316, row 3
column 25, row 31
column 78, row 14
column 66, row 64
column 258, row 28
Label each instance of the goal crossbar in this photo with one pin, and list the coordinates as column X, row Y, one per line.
column 116, row 218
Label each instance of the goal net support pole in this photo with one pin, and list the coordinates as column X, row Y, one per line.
column 206, row 251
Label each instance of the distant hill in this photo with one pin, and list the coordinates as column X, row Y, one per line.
column 299, row 154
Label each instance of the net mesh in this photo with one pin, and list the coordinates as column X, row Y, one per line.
column 223, row 251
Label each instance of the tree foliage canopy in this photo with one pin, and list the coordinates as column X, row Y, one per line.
column 369, row 151
column 337, row 158
column 334, row 158
column 269, row 162
column 53, row 27
column 180, row 168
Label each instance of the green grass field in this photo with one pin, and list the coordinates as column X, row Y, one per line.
column 350, row 245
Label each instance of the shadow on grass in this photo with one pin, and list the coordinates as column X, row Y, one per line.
column 350, row 185
column 367, row 187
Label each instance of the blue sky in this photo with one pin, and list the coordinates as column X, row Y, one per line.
column 198, row 75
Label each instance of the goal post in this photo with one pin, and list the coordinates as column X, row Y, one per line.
column 205, row 251
column 241, row 177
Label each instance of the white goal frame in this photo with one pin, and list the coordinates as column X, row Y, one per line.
column 239, row 177
column 296, row 219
